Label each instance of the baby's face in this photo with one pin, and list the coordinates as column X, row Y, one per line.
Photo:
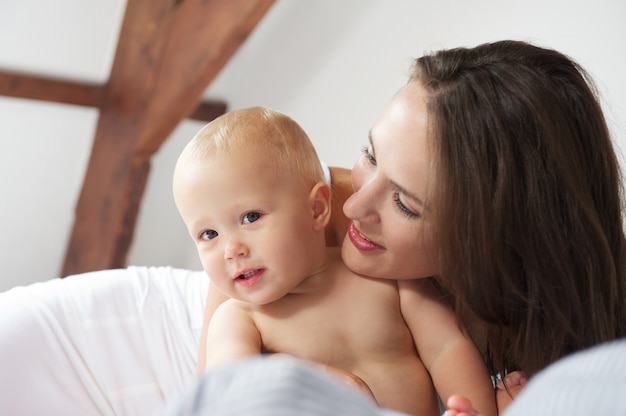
column 252, row 225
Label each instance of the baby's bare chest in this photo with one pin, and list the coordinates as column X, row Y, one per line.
column 351, row 324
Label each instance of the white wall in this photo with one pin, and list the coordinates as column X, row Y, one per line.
column 332, row 65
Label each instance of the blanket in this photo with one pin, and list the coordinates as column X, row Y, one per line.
column 112, row 342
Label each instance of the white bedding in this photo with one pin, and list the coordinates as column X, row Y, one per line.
column 114, row 342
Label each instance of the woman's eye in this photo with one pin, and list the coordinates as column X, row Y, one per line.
column 251, row 217
column 208, row 234
column 403, row 208
column 367, row 152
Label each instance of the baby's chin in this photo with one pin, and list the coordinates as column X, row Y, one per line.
column 260, row 299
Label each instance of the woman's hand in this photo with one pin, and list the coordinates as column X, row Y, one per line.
column 509, row 388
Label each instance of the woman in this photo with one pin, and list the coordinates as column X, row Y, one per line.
column 492, row 174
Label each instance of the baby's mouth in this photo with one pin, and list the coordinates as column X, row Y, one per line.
column 247, row 275
column 249, row 278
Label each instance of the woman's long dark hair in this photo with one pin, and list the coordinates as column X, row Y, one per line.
column 529, row 200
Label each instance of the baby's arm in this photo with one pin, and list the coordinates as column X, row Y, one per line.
column 449, row 354
column 214, row 299
column 461, row 406
column 231, row 335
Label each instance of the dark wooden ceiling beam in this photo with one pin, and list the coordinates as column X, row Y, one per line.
column 47, row 89
column 168, row 53
column 208, row 110
column 35, row 87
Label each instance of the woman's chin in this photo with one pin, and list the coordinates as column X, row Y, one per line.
column 366, row 263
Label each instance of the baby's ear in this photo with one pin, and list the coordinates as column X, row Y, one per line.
column 319, row 199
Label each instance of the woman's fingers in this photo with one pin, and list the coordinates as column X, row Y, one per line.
column 513, row 379
column 509, row 388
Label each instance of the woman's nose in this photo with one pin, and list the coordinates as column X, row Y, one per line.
column 363, row 204
column 235, row 249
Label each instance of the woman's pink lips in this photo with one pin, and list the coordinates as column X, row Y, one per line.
column 252, row 277
column 360, row 241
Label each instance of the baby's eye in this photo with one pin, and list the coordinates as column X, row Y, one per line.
column 208, row 234
column 251, row 217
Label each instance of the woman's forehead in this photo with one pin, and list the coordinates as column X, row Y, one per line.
column 401, row 143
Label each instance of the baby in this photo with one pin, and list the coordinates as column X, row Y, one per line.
column 251, row 191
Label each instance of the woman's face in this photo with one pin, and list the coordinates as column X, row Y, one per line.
column 390, row 235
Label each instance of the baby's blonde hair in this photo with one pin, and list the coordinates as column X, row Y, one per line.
column 276, row 137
